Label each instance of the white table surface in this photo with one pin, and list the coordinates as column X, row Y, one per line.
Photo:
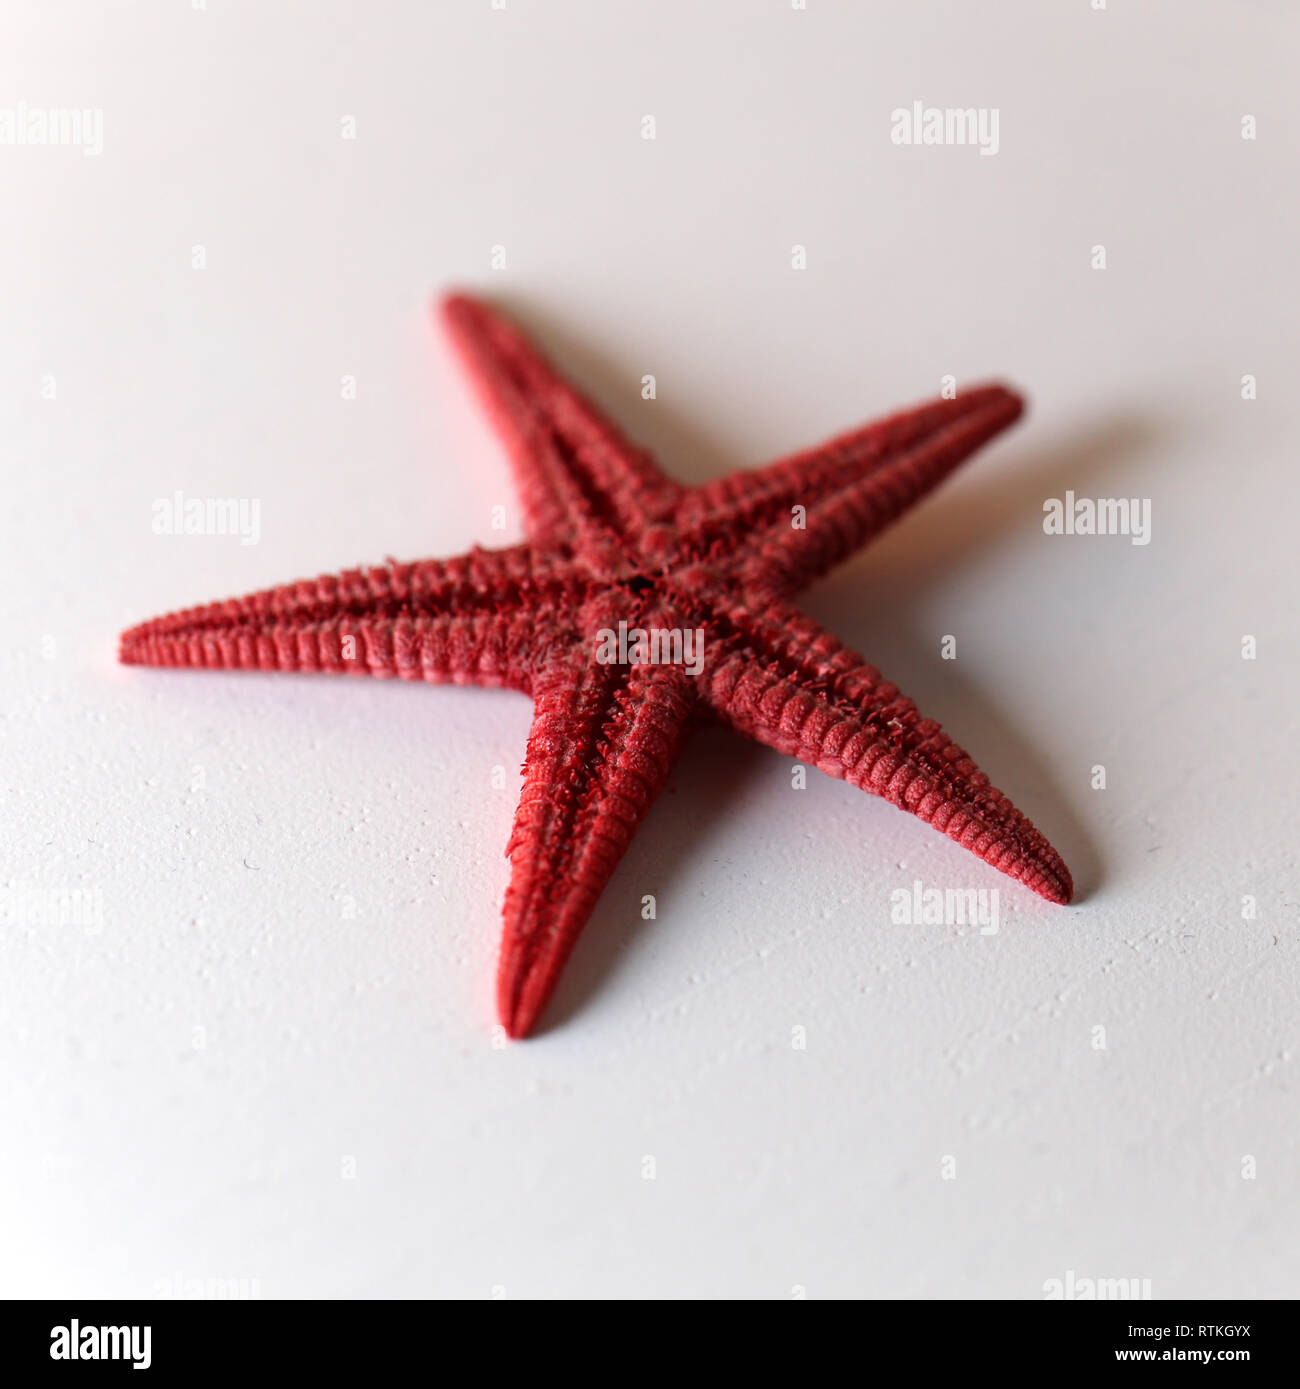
column 270, row 1067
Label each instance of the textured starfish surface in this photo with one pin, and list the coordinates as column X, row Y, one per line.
column 612, row 539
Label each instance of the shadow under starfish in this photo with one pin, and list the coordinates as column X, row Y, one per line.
column 613, row 540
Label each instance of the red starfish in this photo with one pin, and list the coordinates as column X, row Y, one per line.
column 614, row 540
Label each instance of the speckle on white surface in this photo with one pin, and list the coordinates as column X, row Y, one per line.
column 249, row 922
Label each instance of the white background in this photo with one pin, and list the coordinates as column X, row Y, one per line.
column 185, row 1091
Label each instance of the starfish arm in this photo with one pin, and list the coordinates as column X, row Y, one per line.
column 604, row 738
column 848, row 514
column 790, row 684
column 848, row 489
column 576, row 473
column 469, row 620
